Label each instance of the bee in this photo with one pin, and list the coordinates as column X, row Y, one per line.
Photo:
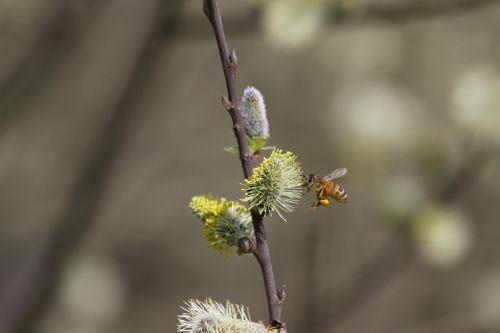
column 326, row 188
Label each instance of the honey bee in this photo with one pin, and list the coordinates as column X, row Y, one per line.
column 325, row 187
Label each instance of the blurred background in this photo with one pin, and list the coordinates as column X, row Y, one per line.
column 110, row 121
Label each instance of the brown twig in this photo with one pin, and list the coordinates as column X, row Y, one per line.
column 50, row 20
column 387, row 262
column 311, row 276
column 392, row 12
column 405, row 11
column 25, row 297
column 395, row 255
column 229, row 65
column 456, row 322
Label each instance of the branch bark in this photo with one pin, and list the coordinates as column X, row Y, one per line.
column 405, row 11
column 394, row 256
column 229, row 64
column 24, row 299
column 394, row 12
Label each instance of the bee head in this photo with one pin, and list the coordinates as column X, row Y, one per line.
column 309, row 180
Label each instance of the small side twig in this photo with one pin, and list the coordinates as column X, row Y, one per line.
column 386, row 12
column 395, row 255
column 32, row 286
column 229, row 65
column 406, row 11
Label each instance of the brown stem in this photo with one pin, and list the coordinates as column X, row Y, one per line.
column 386, row 12
column 32, row 286
column 263, row 256
column 405, row 11
column 229, row 64
column 395, row 255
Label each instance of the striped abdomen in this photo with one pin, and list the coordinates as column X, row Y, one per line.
column 335, row 191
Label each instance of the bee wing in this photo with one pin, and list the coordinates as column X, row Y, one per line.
column 337, row 173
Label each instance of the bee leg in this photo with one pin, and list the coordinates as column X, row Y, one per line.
column 314, row 205
column 321, row 199
column 317, row 202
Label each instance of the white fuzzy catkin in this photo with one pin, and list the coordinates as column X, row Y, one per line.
column 211, row 317
column 253, row 113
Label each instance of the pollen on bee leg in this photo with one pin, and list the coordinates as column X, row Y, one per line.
column 324, row 202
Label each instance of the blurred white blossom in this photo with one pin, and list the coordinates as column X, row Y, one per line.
column 400, row 195
column 93, row 291
column 475, row 101
column 363, row 51
column 292, row 23
column 443, row 236
column 374, row 117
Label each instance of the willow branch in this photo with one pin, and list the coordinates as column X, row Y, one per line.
column 28, row 292
column 229, row 64
column 406, row 11
column 393, row 12
column 457, row 322
column 395, row 255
